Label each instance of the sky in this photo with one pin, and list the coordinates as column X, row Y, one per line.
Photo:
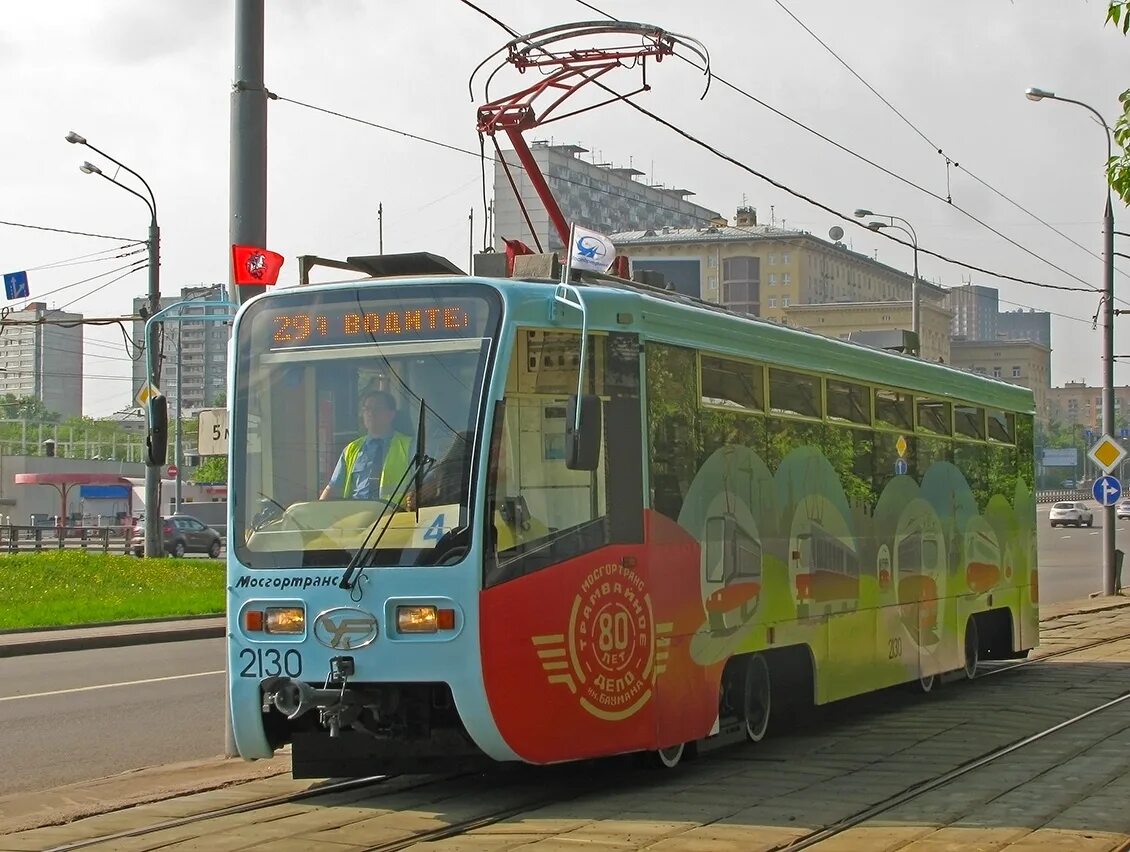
column 150, row 84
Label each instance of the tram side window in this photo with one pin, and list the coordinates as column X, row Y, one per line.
column 1025, row 452
column 543, row 512
column 894, row 409
column 848, row 403
column 731, row 384
column 794, row 393
column 672, row 424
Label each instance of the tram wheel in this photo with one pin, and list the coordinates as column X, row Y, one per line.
column 664, row 758
column 972, row 649
column 757, row 698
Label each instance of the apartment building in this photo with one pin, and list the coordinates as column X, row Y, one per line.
column 1020, row 362
column 41, row 356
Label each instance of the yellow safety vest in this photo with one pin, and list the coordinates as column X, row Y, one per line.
column 396, row 462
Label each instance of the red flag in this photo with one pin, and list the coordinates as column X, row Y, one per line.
column 256, row 265
column 513, row 249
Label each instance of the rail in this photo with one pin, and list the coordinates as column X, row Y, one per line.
column 19, row 539
column 1063, row 494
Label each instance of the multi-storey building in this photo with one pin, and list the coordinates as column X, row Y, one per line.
column 197, row 350
column 853, row 320
column 1025, row 325
column 764, row 270
column 974, row 310
column 1020, row 362
column 41, row 358
column 1082, row 404
column 593, row 195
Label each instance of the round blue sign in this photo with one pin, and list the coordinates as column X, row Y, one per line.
column 900, row 466
column 1107, row 490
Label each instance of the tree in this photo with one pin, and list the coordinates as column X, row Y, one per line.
column 1118, row 169
column 215, row 469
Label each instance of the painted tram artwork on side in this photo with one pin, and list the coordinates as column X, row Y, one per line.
column 623, row 520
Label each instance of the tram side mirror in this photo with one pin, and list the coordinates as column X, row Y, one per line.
column 582, row 445
column 157, row 440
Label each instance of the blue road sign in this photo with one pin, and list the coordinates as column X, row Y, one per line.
column 1089, row 435
column 900, row 466
column 1124, row 432
column 1107, row 490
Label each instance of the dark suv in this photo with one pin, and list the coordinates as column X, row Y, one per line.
column 181, row 534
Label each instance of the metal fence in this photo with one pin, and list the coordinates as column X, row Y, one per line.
column 26, row 438
column 16, row 539
column 1062, row 494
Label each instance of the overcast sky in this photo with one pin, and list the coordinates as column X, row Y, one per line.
column 150, row 84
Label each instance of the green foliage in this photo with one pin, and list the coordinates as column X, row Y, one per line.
column 1118, row 169
column 31, row 408
column 214, row 469
column 73, row 587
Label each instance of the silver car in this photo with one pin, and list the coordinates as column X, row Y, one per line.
column 1122, row 510
column 1071, row 514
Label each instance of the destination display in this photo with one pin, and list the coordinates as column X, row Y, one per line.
column 373, row 320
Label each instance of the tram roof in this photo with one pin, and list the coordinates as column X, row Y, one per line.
column 671, row 317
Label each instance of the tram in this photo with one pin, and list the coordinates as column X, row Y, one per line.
column 515, row 574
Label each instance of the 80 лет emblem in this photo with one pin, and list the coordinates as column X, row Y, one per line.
column 614, row 650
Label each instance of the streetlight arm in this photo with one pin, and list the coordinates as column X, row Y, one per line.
column 152, row 209
column 151, row 201
column 1095, row 113
column 908, row 230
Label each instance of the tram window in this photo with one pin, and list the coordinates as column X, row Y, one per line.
column 672, row 426
column 934, row 416
column 848, row 402
column 1002, row 426
column 894, row 408
column 731, row 384
column 794, row 393
column 969, row 421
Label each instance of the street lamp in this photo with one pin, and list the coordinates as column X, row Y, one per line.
column 1033, row 94
column 153, row 545
column 915, row 302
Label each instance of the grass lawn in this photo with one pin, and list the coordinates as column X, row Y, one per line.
column 72, row 587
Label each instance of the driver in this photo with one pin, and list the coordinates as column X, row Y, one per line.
column 372, row 466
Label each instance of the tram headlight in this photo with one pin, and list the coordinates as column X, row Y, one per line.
column 286, row 619
column 424, row 619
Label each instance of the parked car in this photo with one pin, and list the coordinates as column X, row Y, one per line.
column 1071, row 514
column 1067, row 483
column 181, row 534
column 1122, row 510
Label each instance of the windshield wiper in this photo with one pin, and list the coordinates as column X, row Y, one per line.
column 415, row 471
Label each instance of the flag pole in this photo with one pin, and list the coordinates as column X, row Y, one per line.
column 567, row 271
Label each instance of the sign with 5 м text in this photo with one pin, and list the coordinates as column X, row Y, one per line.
column 213, row 436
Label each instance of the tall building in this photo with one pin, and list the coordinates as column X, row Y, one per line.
column 1082, row 404
column 197, row 349
column 1025, row 325
column 593, row 195
column 43, row 359
column 765, row 270
column 975, row 310
column 1019, row 362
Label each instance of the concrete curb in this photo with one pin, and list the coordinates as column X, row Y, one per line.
column 110, row 636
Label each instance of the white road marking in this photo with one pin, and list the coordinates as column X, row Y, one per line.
column 109, row 685
column 1065, row 536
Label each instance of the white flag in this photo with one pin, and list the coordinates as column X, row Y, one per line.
column 591, row 250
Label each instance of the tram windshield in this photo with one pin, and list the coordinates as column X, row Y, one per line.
column 330, row 390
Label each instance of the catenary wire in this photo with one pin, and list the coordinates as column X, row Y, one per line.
column 74, row 233
column 690, row 137
column 93, row 257
column 936, row 196
column 937, row 148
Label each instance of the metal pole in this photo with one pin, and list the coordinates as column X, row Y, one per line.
column 153, row 548
column 915, row 303
column 1109, row 583
column 177, row 459
column 248, row 177
column 471, row 241
column 381, row 228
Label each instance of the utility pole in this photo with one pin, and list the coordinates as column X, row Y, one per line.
column 1110, row 585
column 381, row 228
column 248, row 180
column 470, row 240
column 178, row 459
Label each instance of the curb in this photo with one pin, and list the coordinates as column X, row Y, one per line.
column 58, row 644
column 123, row 623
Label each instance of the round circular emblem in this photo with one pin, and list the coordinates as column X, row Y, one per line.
column 612, row 642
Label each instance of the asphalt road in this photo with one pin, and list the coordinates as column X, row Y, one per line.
column 87, row 714
column 1071, row 558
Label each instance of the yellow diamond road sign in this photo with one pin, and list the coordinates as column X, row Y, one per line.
column 147, row 390
column 1107, row 453
column 900, row 445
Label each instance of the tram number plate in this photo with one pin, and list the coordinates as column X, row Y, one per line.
column 270, row 662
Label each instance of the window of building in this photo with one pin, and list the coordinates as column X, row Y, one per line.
column 772, row 279
column 1016, row 372
column 786, row 278
column 772, row 260
column 785, row 301
column 785, row 259
column 741, row 284
column 996, row 372
column 772, row 301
